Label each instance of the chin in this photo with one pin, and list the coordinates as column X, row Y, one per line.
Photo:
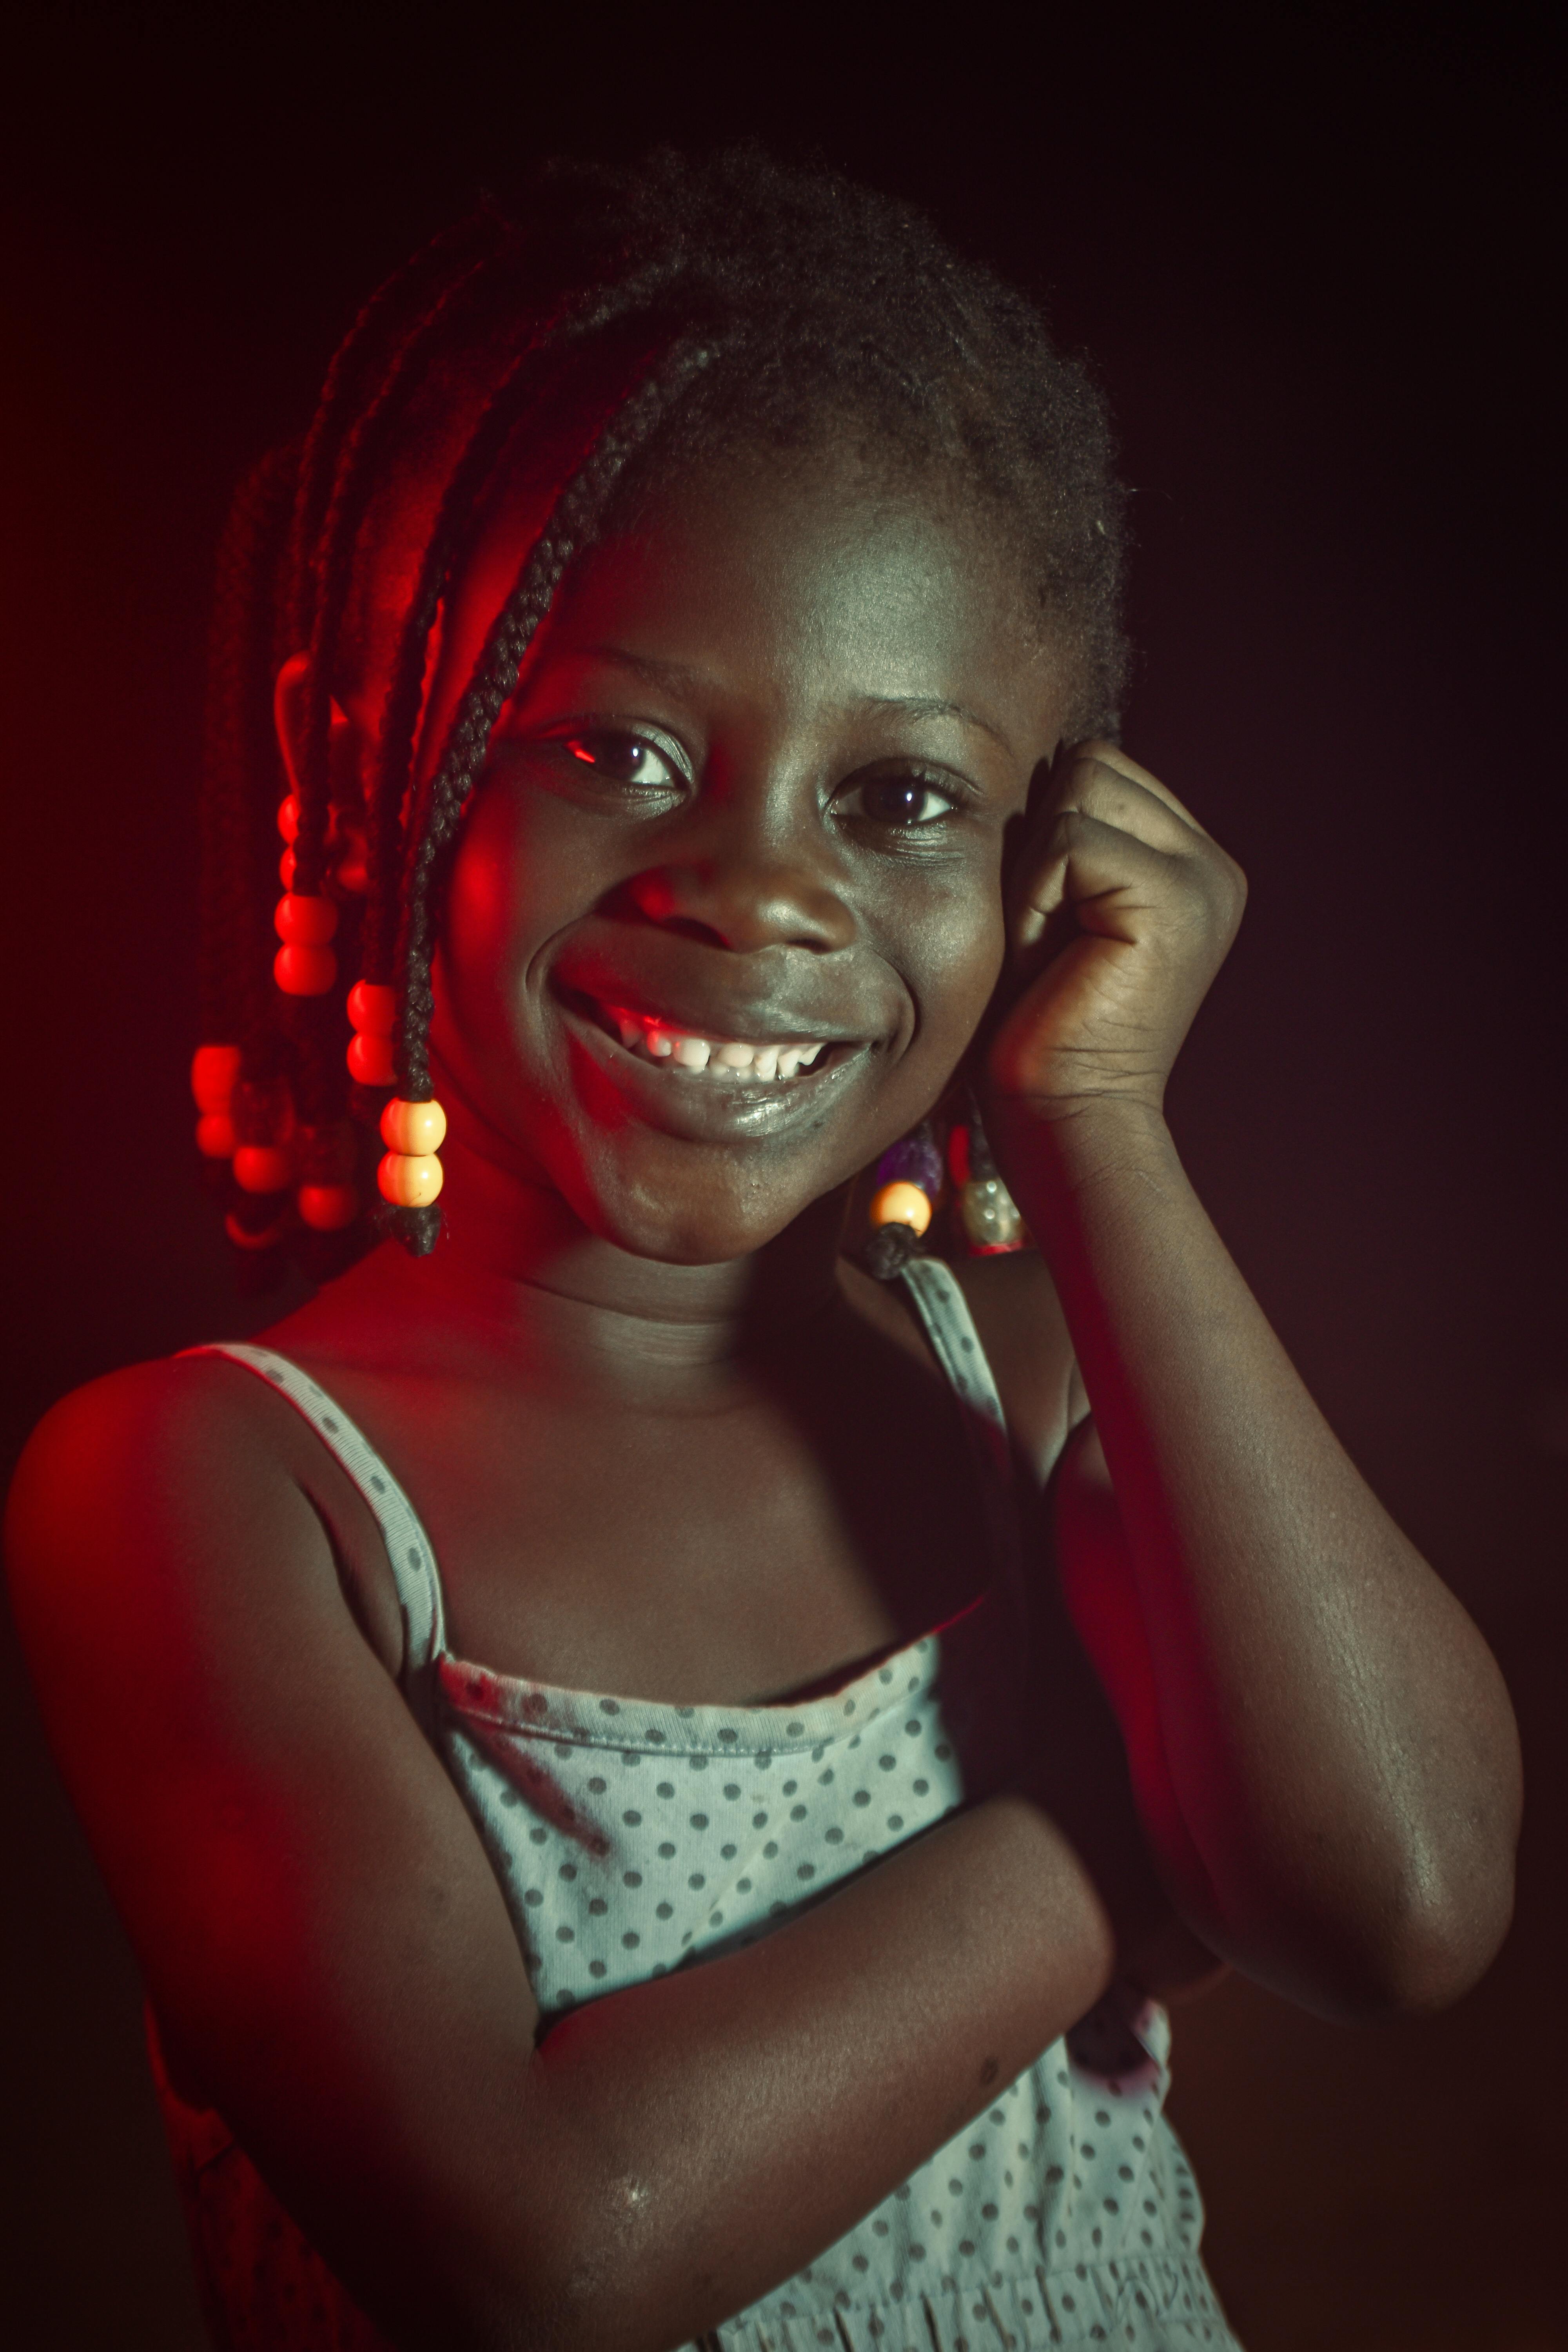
column 730, row 1216
column 650, row 1230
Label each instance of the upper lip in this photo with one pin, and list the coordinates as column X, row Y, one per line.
column 679, row 1000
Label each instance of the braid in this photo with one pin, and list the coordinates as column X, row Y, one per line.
column 352, row 366
column 332, row 568
column 400, row 715
column 574, row 523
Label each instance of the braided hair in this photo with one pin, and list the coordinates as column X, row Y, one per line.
column 634, row 324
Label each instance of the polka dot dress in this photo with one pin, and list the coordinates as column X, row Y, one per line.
column 631, row 1839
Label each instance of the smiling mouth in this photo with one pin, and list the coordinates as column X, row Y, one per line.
column 681, row 1052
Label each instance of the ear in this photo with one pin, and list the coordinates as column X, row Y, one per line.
column 288, row 719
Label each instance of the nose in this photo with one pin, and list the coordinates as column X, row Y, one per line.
column 745, row 895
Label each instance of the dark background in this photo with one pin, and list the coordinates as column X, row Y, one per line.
column 1309, row 252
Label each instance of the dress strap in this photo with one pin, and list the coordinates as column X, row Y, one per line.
column 408, row 1547
column 950, row 1327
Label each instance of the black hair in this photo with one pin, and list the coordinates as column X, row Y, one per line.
column 644, row 320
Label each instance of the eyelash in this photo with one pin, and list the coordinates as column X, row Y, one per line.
column 948, row 791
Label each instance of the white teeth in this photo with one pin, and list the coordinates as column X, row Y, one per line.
column 732, row 1056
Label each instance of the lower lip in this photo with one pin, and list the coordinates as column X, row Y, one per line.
column 700, row 1108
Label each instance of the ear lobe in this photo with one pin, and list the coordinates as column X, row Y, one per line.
column 288, row 719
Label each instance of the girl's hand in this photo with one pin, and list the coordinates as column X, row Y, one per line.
column 1122, row 911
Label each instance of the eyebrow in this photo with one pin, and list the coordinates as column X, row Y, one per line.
column 909, row 706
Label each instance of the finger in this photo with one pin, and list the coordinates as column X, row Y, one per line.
column 1099, row 762
column 1105, row 874
column 1094, row 790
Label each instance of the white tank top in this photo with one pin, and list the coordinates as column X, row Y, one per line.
column 630, row 1838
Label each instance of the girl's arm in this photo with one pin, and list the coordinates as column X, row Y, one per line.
column 1323, row 1751
column 325, row 1940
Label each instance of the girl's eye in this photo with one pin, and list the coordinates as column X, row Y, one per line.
column 625, row 759
column 901, row 801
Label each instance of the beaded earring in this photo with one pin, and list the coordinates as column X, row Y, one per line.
column 909, row 1185
column 987, row 1213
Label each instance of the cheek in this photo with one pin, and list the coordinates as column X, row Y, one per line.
column 494, row 921
column 953, row 966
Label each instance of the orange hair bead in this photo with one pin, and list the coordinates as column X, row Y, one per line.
column 304, row 971
column 215, row 1134
column 305, row 922
column 370, row 1061
column 215, row 1071
column 900, row 1205
column 412, row 1129
column 327, row 1208
column 409, row 1180
column 372, row 1009
column 262, row 1167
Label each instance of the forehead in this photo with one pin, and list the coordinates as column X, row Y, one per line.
column 803, row 577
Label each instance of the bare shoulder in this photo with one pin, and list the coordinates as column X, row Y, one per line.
column 179, row 1489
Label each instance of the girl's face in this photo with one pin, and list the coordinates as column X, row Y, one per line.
column 726, row 908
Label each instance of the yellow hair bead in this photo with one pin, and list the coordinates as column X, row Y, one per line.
column 409, row 1180
column 414, row 1128
column 902, row 1204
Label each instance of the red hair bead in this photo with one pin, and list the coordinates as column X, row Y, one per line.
column 305, row 922
column 372, row 1009
column 370, row 1061
column 285, row 865
column 304, row 971
column 327, row 1208
column 288, row 818
column 352, row 873
column 262, row 1167
column 214, row 1072
column 215, row 1134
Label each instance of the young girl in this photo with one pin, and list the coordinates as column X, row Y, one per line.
column 659, row 1743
